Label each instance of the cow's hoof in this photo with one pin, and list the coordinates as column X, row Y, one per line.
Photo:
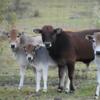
column 96, row 97
column 45, row 90
column 60, row 89
column 72, row 89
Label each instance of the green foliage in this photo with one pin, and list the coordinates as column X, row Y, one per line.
column 3, row 7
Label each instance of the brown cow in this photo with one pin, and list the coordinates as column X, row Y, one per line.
column 67, row 47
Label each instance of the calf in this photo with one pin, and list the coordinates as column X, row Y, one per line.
column 96, row 45
column 17, row 40
column 67, row 47
column 39, row 58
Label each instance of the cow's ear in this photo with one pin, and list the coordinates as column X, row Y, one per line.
column 37, row 30
column 58, row 30
column 89, row 37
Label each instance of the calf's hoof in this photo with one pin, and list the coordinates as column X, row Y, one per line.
column 45, row 90
column 67, row 91
column 60, row 89
column 96, row 97
column 37, row 90
column 19, row 88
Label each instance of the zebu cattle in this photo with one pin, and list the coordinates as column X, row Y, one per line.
column 39, row 58
column 97, row 61
column 96, row 45
column 17, row 41
column 67, row 47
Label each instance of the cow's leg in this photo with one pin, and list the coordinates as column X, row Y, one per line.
column 71, row 74
column 61, row 72
column 38, row 79
column 45, row 77
column 22, row 73
column 67, row 82
column 98, row 78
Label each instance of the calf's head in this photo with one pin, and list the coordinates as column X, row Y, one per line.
column 14, row 39
column 30, row 51
column 49, row 34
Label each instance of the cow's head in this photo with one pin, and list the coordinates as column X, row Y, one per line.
column 14, row 38
column 30, row 51
column 49, row 34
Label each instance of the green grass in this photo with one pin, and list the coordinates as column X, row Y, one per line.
column 86, row 91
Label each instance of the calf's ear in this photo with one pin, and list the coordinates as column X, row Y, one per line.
column 21, row 33
column 37, row 30
column 58, row 30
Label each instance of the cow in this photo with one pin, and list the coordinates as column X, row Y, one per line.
column 97, row 61
column 96, row 44
column 67, row 47
column 17, row 41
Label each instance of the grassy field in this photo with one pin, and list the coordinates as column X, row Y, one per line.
column 68, row 14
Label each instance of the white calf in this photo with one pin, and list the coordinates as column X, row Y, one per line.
column 97, row 61
column 39, row 58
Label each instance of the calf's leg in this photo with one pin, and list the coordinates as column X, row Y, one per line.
column 22, row 73
column 45, row 77
column 97, row 61
column 38, row 79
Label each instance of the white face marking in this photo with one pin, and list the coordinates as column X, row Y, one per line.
column 13, row 44
column 29, row 57
column 49, row 44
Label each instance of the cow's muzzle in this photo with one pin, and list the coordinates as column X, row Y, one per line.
column 48, row 44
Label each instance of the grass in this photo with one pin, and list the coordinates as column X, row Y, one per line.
column 68, row 14
column 85, row 91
